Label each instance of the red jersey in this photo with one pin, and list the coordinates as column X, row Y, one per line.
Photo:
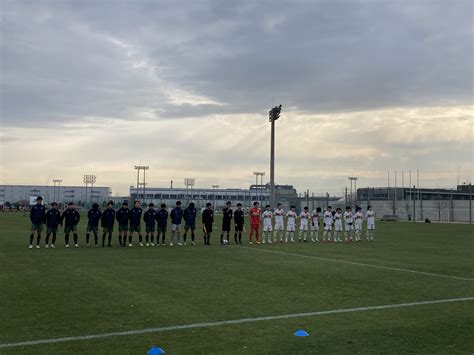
column 255, row 215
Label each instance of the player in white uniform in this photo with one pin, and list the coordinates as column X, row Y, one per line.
column 290, row 224
column 338, row 225
column 279, row 223
column 267, row 224
column 370, row 216
column 327, row 224
column 358, row 221
column 315, row 224
column 304, row 224
column 349, row 224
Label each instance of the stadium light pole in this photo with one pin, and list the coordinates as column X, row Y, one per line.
column 138, row 168
column 58, row 182
column 89, row 179
column 215, row 187
column 189, row 182
column 274, row 114
column 351, row 179
column 257, row 174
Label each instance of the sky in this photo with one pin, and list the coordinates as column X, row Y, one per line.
column 367, row 87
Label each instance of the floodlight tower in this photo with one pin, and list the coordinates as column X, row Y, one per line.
column 215, row 187
column 189, row 182
column 58, row 182
column 138, row 168
column 257, row 174
column 89, row 180
column 274, row 114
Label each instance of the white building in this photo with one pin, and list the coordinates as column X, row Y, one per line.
column 60, row 194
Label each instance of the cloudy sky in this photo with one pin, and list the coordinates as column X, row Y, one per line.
column 185, row 87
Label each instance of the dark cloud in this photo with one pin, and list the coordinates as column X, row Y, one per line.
column 68, row 60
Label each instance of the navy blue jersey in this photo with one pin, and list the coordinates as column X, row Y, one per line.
column 38, row 214
column 162, row 217
column 122, row 216
column 70, row 217
column 149, row 217
column 176, row 215
column 93, row 217
column 53, row 218
column 108, row 218
column 189, row 216
column 239, row 217
column 135, row 216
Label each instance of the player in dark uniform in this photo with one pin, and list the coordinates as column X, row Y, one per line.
column 70, row 218
column 93, row 217
column 122, row 216
column 189, row 216
column 239, row 223
column 226, row 221
column 37, row 218
column 53, row 219
column 162, row 220
column 207, row 221
column 149, row 217
column 135, row 216
column 107, row 221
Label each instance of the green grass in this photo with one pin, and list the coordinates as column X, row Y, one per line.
column 70, row 292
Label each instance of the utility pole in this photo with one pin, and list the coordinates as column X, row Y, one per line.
column 189, row 182
column 274, row 114
column 414, row 204
column 470, row 203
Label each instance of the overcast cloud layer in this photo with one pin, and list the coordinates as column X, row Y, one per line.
column 366, row 86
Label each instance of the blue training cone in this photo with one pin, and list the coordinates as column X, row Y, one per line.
column 301, row 333
column 155, row 351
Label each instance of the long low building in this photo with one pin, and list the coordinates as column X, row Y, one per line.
column 62, row 194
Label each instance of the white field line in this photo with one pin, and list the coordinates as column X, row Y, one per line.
column 228, row 322
column 361, row 264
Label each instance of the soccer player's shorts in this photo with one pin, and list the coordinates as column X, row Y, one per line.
column 93, row 229
column 338, row 227
column 123, row 227
column 239, row 227
column 53, row 230
column 69, row 229
column 137, row 229
column 290, row 227
column 303, row 227
column 150, row 229
column 189, row 226
column 208, row 228
column 315, row 227
column 226, row 226
column 267, row 227
column 328, row 227
column 36, row 227
column 175, row 227
column 279, row 226
column 371, row 226
column 358, row 226
column 349, row 227
column 107, row 230
column 161, row 229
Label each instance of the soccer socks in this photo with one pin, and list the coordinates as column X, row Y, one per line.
column 193, row 236
column 38, row 239
column 32, row 236
column 109, row 241
column 163, row 238
column 75, row 238
column 240, row 237
column 54, row 238
column 140, row 238
column 222, row 238
column 185, row 236
column 87, row 238
column 103, row 240
column 66, row 238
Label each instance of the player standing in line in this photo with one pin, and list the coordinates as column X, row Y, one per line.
column 189, row 216
column 162, row 220
column 37, row 218
column 315, row 224
column 358, row 220
column 267, row 225
column 370, row 216
column 290, row 224
column 93, row 218
column 279, row 223
column 107, row 222
column 238, row 223
column 70, row 218
column 338, row 225
column 254, row 215
column 53, row 219
column 149, row 217
column 227, row 214
column 207, row 221
column 122, row 216
column 328, row 220
column 349, row 223
column 304, row 218
column 176, row 216
column 135, row 221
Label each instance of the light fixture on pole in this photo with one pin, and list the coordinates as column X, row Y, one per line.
column 351, row 179
column 89, row 179
column 274, row 114
column 58, row 182
column 215, row 187
column 138, row 168
column 257, row 174
column 189, row 182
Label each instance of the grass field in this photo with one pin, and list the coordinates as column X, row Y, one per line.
column 49, row 294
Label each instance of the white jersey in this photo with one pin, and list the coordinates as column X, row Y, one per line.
column 370, row 216
column 328, row 218
column 348, row 218
column 338, row 221
column 304, row 217
column 315, row 217
column 267, row 218
column 291, row 218
column 279, row 213
column 358, row 219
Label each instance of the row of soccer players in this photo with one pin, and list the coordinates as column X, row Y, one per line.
column 310, row 223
